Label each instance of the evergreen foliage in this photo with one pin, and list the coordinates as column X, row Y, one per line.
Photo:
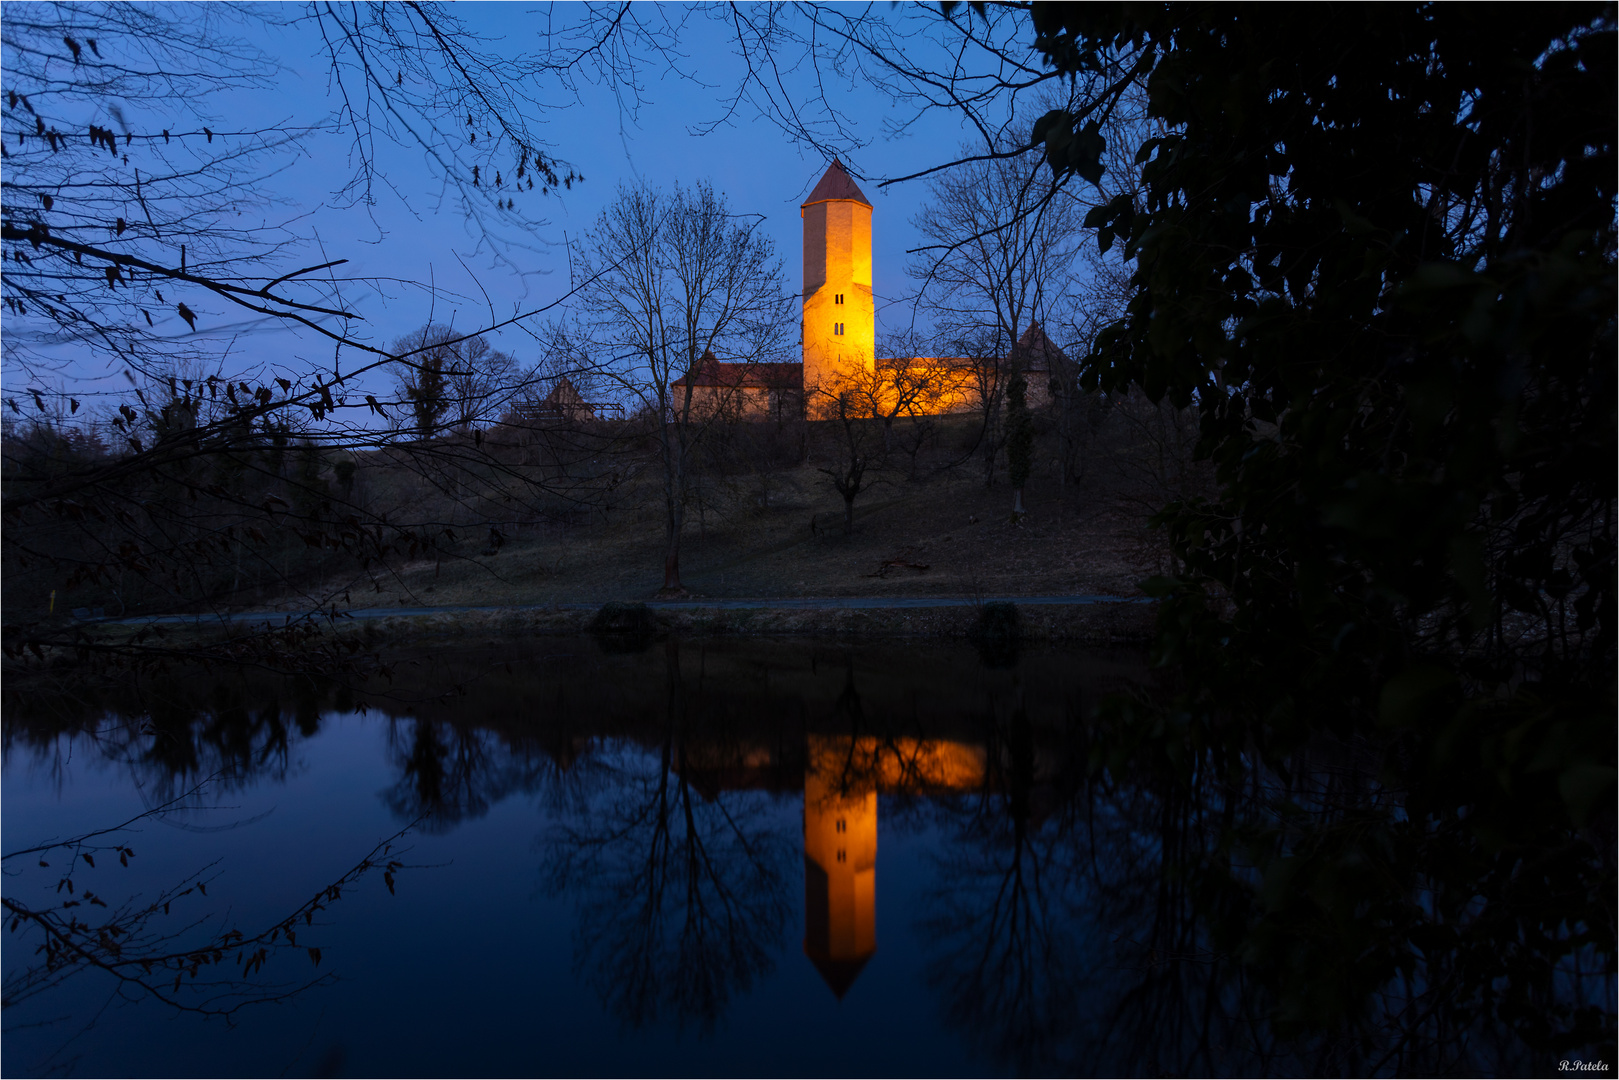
column 1019, row 435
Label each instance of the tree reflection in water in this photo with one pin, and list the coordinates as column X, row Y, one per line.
column 1106, row 895
column 1125, row 920
column 682, row 891
column 451, row 771
column 1008, row 956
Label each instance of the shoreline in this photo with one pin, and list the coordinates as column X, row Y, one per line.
column 1096, row 624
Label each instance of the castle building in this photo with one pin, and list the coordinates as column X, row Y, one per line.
column 838, row 332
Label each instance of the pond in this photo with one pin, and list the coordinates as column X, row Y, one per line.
column 607, row 857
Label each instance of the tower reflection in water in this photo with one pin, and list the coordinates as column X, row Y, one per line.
column 842, row 778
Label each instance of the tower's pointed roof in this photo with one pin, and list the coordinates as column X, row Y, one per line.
column 838, row 973
column 836, row 184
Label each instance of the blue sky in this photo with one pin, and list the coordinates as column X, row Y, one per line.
column 421, row 237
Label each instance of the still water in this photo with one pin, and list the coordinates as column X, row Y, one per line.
column 570, row 857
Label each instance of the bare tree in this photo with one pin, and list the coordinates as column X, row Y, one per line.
column 860, row 409
column 452, row 380
column 127, row 181
column 998, row 258
column 127, row 246
column 857, row 436
column 482, row 382
column 136, row 946
column 673, row 281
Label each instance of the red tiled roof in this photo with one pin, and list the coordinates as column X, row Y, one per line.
column 836, row 184
column 713, row 372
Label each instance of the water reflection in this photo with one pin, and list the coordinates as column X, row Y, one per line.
column 681, row 891
column 842, row 778
column 1076, row 912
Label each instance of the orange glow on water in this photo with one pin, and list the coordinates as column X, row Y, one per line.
column 842, row 778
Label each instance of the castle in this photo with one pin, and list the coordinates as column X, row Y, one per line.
column 838, row 331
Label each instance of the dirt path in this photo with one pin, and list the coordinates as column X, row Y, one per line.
column 847, row 603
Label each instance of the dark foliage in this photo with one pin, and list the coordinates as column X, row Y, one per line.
column 617, row 617
column 1019, row 437
column 1375, row 253
column 996, row 634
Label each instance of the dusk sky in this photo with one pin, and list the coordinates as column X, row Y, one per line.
column 415, row 232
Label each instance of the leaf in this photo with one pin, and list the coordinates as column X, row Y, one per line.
column 314, row 955
column 1085, row 156
column 1412, row 694
column 1585, row 786
column 1098, row 216
column 388, row 879
column 187, row 314
column 86, row 857
column 1047, row 124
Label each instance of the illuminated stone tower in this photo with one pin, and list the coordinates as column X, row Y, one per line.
column 840, row 867
column 840, row 319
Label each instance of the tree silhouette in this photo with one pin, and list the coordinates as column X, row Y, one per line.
column 683, row 898
column 676, row 282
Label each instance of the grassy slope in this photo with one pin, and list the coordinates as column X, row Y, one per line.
column 951, row 524
column 749, row 534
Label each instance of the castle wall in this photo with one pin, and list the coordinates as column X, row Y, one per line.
column 730, row 403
